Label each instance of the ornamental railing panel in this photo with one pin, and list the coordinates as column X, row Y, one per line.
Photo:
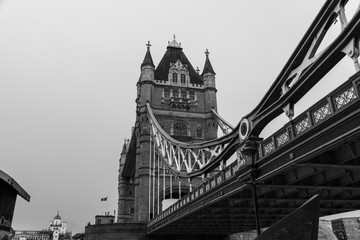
column 336, row 101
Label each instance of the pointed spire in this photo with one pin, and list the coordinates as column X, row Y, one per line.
column 207, row 67
column 148, row 59
column 124, row 147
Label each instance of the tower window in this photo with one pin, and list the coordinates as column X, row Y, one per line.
column 131, row 210
column 183, row 78
column 183, row 93
column 192, row 95
column 166, row 93
column 179, row 129
column 199, row 132
column 174, row 76
column 175, row 92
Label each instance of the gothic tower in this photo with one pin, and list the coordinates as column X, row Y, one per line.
column 181, row 99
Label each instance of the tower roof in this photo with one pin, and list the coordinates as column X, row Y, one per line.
column 57, row 216
column 148, row 59
column 172, row 55
column 207, row 67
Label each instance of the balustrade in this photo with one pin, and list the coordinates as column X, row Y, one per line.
column 209, row 185
column 328, row 106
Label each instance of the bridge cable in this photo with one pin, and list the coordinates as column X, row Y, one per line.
column 154, row 168
column 150, row 177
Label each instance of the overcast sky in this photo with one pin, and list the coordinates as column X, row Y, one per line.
column 68, row 73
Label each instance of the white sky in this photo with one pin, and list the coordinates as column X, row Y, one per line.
column 68, row 73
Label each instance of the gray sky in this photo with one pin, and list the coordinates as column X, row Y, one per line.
column 68, row 73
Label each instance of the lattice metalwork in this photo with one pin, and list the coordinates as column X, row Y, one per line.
column 228, row 174
column 302, row 125
column 345, row 97
column 183, row 157
column 219, row 179
column 269, row 147
column 236, row 168
column 322, row 112
column 282, row 138
column 213, row 183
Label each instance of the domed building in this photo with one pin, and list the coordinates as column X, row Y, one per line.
column 58, row 228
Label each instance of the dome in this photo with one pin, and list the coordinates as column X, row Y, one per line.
column 57, row 217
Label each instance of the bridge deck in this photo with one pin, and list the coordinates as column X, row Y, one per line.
column 323, row 159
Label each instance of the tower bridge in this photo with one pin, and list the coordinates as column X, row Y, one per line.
column 178, row 177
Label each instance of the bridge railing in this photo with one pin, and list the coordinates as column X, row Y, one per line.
column 336, row 101
column 216, row 180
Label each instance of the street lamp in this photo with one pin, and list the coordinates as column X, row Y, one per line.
column 249, row 152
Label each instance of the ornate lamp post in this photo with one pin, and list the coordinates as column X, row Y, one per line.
column 249, row 152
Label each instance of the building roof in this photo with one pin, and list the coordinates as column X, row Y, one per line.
column 172, row 55
column 9, row 180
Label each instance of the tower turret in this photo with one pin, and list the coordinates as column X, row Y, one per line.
column 147, row 66
column 144, row 85
column 209, row 84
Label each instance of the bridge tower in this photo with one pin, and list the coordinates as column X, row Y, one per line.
column 181, row 99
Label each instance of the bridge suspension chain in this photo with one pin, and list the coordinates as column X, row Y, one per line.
column 224, row 125
column 184, row 158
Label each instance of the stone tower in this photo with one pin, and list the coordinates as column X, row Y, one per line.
column 181, row 99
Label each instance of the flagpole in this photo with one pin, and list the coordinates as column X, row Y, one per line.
column 107, row 204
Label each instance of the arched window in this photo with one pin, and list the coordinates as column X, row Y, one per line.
column 183, row 78
column 179, row 129
column 174, row 77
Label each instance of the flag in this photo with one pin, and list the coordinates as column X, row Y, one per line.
column 104, row 199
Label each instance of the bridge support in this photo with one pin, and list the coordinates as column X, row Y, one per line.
column 250, row 154
column 256, row 207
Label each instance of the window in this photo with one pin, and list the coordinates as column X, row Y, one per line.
column 192, row 96
column 183, row 78
column 175, row 92
column 183, row 93
column 131, row 210
column 167, row 93
column 130, row 193
column 174, row 76
column 199, row 132
column 179, row 129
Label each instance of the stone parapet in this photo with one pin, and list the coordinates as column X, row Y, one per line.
column 116, row 231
